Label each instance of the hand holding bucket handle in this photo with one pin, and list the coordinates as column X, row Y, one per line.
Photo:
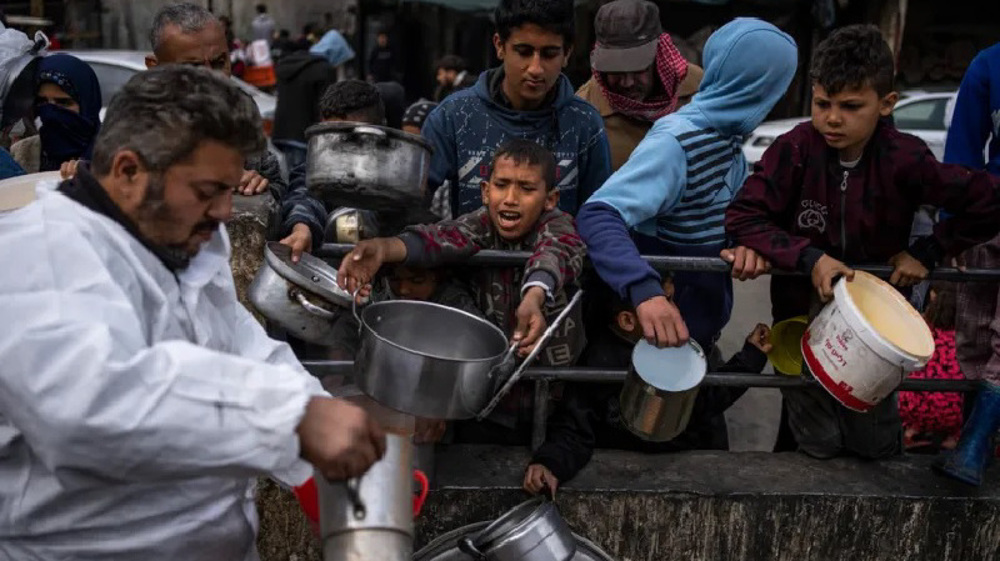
column 825, row 274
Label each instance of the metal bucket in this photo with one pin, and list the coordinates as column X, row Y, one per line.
column 660, row 390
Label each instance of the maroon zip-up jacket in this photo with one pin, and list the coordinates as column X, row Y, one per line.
column 800, row 203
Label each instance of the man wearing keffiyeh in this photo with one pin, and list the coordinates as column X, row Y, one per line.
column 639, row 75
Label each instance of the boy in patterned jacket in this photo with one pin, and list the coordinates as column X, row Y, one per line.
column 519, row 213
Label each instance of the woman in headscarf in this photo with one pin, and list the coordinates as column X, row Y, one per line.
column 68, row 103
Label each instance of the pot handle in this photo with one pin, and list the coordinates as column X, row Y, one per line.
column 418, row 500
column 468, row 547
column 372, row 131
column 354, row 309
column 353, row 486
column 310, row 307
column 530, row 358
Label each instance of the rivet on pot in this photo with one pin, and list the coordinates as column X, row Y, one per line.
column 315, row 278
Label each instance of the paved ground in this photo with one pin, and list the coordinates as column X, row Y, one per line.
column 753, row 420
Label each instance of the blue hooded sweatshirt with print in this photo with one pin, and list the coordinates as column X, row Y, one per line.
column 469, row 125
column 674, row 189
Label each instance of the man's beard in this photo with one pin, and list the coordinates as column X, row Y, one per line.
column 155, row 216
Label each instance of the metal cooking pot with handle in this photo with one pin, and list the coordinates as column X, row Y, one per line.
column 428, row 360
column 434, row 361
column 532, row 531
column 366, row 166
column 660, row 390
column 302, row 297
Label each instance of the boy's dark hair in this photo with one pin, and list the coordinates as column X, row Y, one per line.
column 854, row 57
column 555, row 16
column 352, row 98
column 940, row 312
column 261, row 9
column 527, row 152
column 284, row 34
column 451, row 62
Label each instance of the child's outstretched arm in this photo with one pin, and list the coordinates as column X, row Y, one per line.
column 358, row 267
column 650, row 183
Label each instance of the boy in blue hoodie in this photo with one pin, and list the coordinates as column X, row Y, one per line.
column 527, row 97
column 674, row 189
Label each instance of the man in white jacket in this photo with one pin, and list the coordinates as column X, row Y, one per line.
column 138, row 398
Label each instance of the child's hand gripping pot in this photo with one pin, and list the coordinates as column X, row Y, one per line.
column 360, row 265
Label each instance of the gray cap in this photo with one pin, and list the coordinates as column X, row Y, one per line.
column 628, row 32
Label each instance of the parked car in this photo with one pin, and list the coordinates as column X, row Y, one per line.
column 115, row 68
column 923, row 114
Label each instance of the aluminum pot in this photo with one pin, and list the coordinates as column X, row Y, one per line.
column 445, row 547
column 428, row 360
column 660, row 390
column 302, row 297
column 531, row 531
column 366, row 166
column 385, row 492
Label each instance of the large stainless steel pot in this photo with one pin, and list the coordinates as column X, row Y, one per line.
column 302, row 297
column 660, row 390
column 445, row 547
column 366, row 166
column 531, row 531
column 428, row 360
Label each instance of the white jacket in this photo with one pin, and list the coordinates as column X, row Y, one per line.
column 135, row 407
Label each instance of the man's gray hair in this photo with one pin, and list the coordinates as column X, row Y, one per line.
column 165, row 113
column 190, row 18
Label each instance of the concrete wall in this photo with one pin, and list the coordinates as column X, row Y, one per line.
column 715, row 506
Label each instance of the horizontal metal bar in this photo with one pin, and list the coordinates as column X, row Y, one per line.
column 604, row 375
column 496, row 258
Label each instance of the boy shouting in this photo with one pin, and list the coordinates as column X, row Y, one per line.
column 519, row 213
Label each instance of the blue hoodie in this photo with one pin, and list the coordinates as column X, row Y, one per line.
column 469, row 125
column 977, row 115
column 674, row 189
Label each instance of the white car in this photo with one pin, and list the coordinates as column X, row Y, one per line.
column 922, row 114
column 115, row 68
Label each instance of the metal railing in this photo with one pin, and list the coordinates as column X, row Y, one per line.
column 543, row 376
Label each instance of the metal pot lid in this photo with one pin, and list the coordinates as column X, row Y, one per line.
column 445, row 547
column 671, row 369
column 341, row 127
column 310, row 273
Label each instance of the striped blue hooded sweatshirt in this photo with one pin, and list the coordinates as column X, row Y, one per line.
column 673, row 192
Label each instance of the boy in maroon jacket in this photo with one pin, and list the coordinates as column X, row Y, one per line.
column 843, row 189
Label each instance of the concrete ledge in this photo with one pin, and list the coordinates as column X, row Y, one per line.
column 734, row 506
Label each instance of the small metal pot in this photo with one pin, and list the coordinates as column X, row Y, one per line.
column 348, row 225
column 660, row 390
column 366, row 166
column 302, row 297
column 531, row 531
column 428, row 360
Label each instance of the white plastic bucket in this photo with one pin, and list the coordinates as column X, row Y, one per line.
column 862, row 343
